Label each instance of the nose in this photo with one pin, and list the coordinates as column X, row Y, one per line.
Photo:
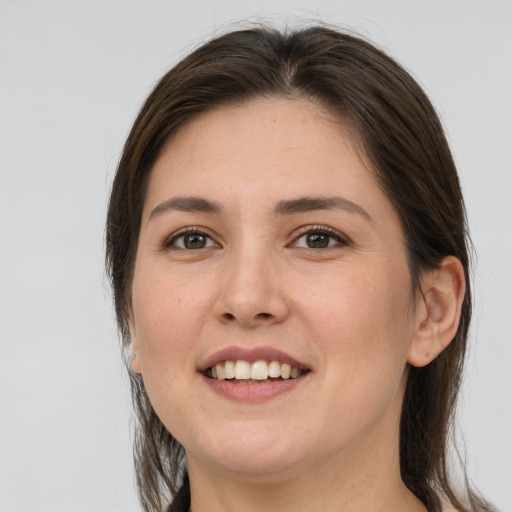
column 251, row 294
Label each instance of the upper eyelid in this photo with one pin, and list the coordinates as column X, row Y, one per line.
column 168, row 240
column 190, row 229
column 304, row 230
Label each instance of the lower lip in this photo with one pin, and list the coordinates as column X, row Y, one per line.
column 254, row 392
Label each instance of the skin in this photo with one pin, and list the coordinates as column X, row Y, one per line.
column 346, row 310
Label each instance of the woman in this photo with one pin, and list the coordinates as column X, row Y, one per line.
column 286, row 240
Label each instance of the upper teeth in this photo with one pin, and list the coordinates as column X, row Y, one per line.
column 259, row 370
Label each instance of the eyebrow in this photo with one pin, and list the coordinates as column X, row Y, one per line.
column 308, row 204
column 286, row 207
column 186, row 204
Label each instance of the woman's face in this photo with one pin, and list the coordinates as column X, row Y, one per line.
column 264, row 238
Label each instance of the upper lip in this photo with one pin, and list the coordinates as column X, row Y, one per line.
column 251, row 355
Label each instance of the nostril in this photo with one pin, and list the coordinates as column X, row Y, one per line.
column 230, row 316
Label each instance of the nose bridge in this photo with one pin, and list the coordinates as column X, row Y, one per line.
column 250, row 292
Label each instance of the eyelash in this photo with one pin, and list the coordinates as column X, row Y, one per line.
column 170, row 243
column 322, row 230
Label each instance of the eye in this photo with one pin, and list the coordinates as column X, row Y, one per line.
column 320, row 238
column 190, row 240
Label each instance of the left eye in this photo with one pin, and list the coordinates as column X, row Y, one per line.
column 318, row 240
column 192, row 241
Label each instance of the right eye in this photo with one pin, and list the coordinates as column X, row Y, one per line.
column 191, row 240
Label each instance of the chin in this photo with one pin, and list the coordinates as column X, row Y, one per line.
column 251, row 450
column 264, row 468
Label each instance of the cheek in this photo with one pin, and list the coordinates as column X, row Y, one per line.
column 362, row 322
column 166, row 327
column 166, row 315
column 364, row 330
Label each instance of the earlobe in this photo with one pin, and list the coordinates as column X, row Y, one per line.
column 438, row 311
column 135, row 362
column 134, row 356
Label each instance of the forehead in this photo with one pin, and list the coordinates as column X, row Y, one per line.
column 274, row 124
column 266, row 148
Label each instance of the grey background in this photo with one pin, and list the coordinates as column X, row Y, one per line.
column 72, row 77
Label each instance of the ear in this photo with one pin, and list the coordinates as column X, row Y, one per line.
column 134, row 346
column 437, row 311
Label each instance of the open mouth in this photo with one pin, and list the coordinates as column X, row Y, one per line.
column 258, row 372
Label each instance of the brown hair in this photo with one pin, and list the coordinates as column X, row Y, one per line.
column 403, row 139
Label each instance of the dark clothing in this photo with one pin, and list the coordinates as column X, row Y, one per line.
column 181, row 502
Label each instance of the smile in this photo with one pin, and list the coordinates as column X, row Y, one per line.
column 258, row 372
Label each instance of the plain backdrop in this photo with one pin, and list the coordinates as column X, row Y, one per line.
column 73, row 75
